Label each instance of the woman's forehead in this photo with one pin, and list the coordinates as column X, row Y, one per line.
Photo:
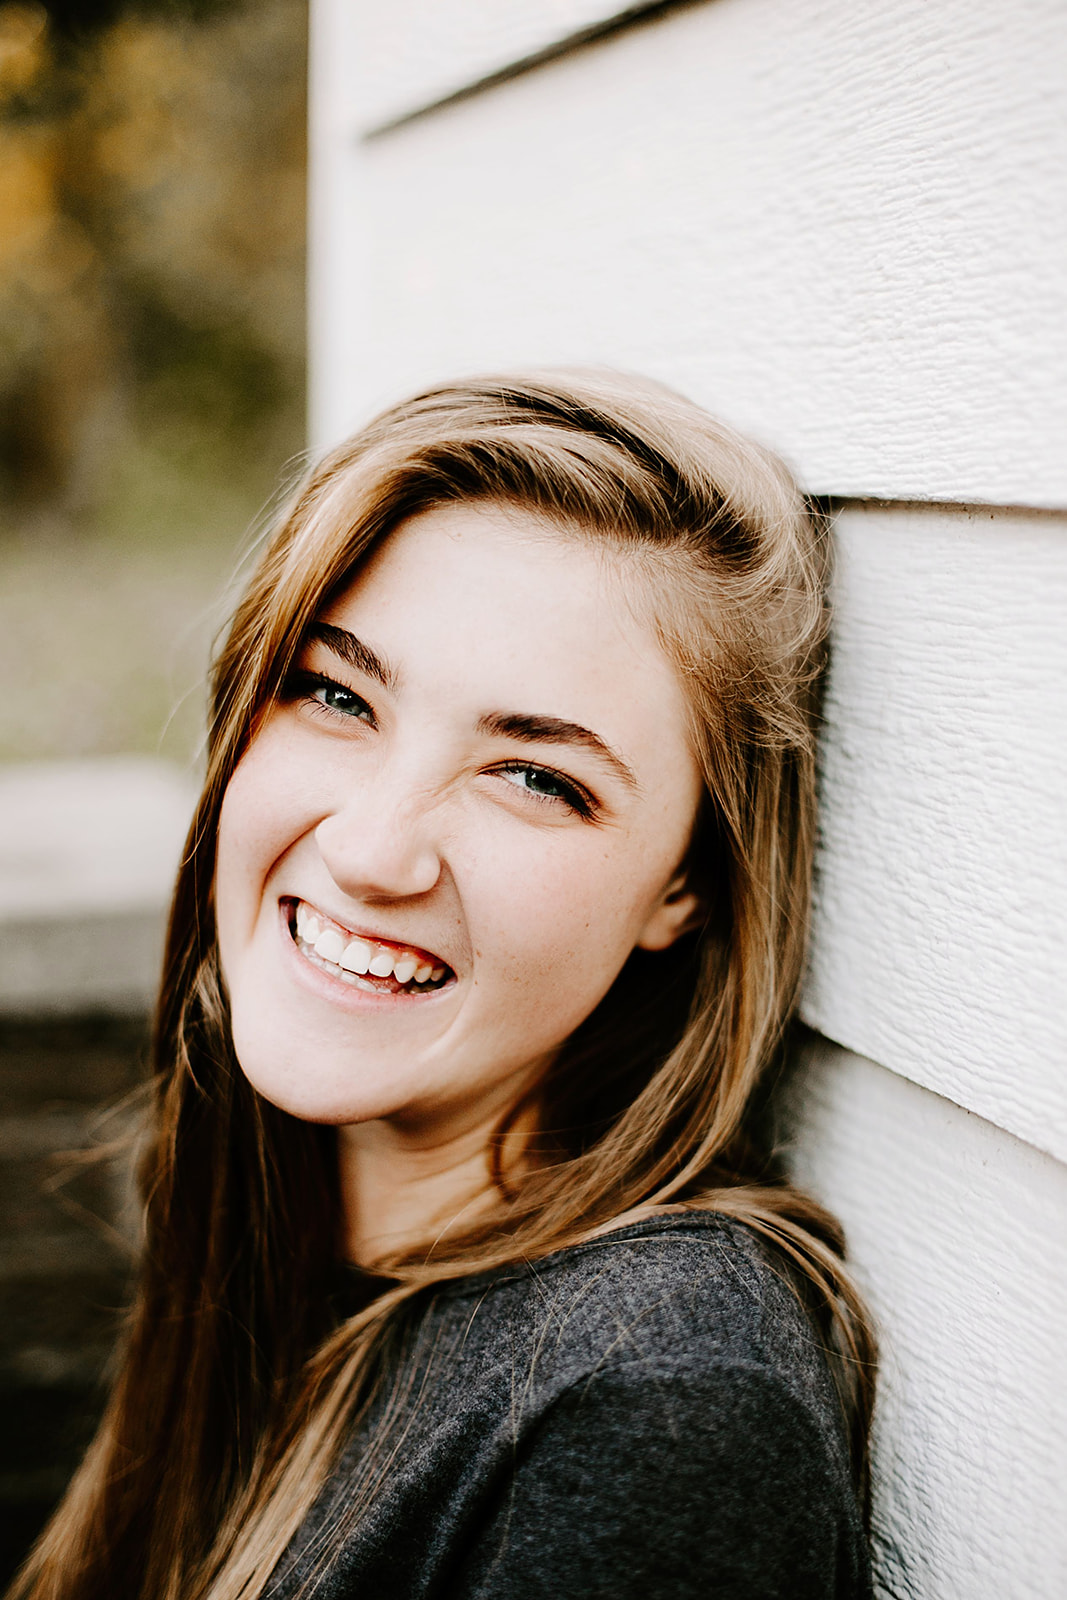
column 496, row 577
column 506, row 608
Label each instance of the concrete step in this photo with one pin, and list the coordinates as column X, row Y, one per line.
column 88, row 852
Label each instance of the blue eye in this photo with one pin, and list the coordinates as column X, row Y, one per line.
column 324, row 694
column 544, row 784
column 335, row 697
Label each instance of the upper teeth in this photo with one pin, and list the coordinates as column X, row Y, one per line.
column 361, row 955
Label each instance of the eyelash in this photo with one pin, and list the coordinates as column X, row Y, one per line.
column 304, row 685
column 578, row 799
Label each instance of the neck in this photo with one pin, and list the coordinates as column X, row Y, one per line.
column 404, row 1188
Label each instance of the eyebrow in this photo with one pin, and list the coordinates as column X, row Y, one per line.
column 527, row 727
column 354, row 651
column 532, row 729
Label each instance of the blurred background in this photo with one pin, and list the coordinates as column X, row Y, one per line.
column 152, row 161
column 152, row 198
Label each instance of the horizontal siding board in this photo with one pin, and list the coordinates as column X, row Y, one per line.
column 958, row 1234
column 840, row 226
column 412, row 53
column 940, row 944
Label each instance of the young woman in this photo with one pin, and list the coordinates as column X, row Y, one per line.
column 468, row 1270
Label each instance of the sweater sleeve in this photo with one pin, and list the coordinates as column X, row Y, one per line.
column 718, row 1484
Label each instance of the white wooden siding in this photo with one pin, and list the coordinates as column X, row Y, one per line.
column 941, row 937
column 958, row 1232
column 838, row 224
column 842, row 225
column 412, row 53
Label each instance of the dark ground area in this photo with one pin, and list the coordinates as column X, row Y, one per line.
column 68, row 1093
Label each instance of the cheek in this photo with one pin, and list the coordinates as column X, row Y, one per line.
column 570, row 913
column 261, row 817
column 235, row 902
column 551, row 939
column 243, row 839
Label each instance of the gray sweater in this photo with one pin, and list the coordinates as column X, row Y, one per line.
column 645, row 1416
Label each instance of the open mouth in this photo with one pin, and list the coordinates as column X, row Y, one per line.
column 374, row 965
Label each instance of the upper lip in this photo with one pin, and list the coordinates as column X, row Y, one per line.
column 364, row 933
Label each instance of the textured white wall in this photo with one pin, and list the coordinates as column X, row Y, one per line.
column 842, row 225
column 838, row 224
column 958, row 1232
column 941, row 929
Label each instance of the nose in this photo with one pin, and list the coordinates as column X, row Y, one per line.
column 381, row 842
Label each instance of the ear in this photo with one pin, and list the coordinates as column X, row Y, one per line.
column 677, row 911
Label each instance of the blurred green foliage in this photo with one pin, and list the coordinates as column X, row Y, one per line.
column 152, row 159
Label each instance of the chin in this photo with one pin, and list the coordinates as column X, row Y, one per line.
column 308, row 1102
column 288, row 1080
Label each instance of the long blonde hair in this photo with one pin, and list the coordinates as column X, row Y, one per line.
column 236, row 1390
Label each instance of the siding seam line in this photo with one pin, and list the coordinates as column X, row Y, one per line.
column 831, row 504
column 1028, row 1143
column 631, row 17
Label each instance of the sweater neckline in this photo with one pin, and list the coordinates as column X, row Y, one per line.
column 356, row 1283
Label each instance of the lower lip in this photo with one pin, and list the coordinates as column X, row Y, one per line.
column 344, row 994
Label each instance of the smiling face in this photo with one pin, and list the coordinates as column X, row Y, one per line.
column 469, row 806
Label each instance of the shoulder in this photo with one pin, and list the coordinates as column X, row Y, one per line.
column 674, row 1295
column 675, row 1426
column 644, row 1415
